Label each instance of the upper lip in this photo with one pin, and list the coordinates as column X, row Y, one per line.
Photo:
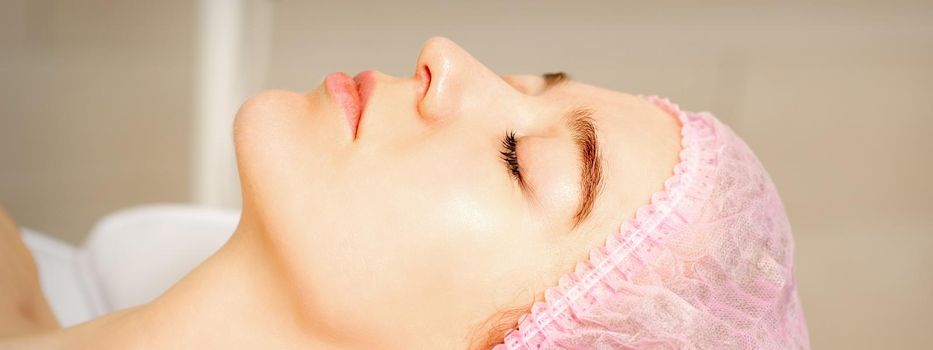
column 365, row 83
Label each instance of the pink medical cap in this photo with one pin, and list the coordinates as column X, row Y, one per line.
column 707, row 264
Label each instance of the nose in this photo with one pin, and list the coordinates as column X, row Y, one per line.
column 457, row 84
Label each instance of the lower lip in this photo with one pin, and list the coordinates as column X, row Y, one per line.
column 346, row 92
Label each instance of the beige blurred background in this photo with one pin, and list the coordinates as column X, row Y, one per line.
column 109, row 104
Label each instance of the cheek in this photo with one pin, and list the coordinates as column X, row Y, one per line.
column 466, row 239
column 447, row 210
column 479, row 215
column 469, row 199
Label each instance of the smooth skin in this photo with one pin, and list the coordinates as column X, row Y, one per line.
column 22, row 305
column 414, row 233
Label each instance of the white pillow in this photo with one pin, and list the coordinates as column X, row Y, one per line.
column 129, row 258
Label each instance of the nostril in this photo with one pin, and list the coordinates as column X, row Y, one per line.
column 424, row 76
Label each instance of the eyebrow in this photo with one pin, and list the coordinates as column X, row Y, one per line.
column 580, row 122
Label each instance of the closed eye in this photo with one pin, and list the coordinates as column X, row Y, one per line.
column 532, row 85
column 510, row 156
column 551, row 79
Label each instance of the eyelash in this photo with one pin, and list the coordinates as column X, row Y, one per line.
column 509, row 156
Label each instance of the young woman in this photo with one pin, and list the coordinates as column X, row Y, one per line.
column 459, row 209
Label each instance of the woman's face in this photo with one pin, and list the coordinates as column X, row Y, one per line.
column 416, row 224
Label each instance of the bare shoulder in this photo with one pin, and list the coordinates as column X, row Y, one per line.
column 23, row 308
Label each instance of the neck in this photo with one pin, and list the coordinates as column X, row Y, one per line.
column 237, row 299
